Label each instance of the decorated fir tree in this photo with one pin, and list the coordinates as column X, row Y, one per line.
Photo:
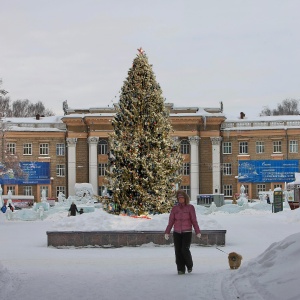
column 145, row 160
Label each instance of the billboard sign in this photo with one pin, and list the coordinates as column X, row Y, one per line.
column 32, row 173
column 267, row 170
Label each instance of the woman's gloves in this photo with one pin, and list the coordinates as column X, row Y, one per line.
column 167, row 236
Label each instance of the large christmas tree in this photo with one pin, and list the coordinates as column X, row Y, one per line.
column 145, row 160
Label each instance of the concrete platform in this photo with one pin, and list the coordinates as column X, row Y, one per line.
column 106, row 239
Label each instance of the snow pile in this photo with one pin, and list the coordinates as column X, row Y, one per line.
column 268, row 242
column 273, row 274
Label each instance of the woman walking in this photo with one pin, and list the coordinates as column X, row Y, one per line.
column 183, row 218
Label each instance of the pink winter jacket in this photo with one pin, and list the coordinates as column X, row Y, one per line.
column 183, row 217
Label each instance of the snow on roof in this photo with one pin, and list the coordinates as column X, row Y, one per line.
column 52, row 123
column 51, row 119
column 263, row 118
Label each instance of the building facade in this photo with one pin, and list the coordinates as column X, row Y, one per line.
column 260, row 153
column 219, row 154
column 34, row 154
column 197, row 130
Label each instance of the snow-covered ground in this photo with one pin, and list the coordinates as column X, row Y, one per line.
column 268, row 242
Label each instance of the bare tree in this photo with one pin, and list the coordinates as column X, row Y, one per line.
column 39, row 108
column 286, row 107
column 2, row 92
column 22, row 108
column 5, row 110
column 4, row 103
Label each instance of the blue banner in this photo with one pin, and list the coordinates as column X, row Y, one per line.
column 267, row 170
column 32, row 173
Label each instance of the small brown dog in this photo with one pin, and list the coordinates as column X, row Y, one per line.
column 234, row 260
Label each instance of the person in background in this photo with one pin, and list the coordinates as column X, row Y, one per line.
column 268, row 199
column 11, row 207
column 73, row 209
column 183, row 218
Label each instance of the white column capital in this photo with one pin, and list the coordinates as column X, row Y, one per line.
column 71, row 141
column 194, row 140
column 93, row 139
column 216, row 140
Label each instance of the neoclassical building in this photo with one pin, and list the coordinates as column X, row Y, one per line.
column 197, row 130
column 260, row 153
column 34, row 154
column 220, row 154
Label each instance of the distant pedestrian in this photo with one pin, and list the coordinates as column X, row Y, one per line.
column 11, row 207
column 268, row 199
column 73, row 209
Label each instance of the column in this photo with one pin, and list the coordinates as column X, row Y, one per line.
column 71, row 142
column 177, row 142
column 194, row 142
column 216, row 164
column 93, row 163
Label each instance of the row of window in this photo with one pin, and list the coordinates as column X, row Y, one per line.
column 227, row 147
column 228, row 190
column 184, row 147
column 103, row 147
column 43, row 149
column 260, row 147
column 185, row 170
column 185, row 188
column 27, row 190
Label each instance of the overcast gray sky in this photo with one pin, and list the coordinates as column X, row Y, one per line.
column 245, row 53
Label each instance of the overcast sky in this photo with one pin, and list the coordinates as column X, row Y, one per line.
column 245, row 53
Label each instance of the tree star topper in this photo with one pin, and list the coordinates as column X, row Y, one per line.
column 141, row 51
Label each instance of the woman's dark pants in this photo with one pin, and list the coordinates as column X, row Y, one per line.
column 182, row 243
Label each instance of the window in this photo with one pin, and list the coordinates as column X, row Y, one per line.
column 227, row 190
column 227, row 149
column 186, row 188
column 246, row 189
column 260, row 147
column 243, row 147
column 11, row 188
column 44, row 149
column 101, row 188
column 27, row 190
column 60, row 171
column 11, row 148
column 277, row 186
column 46, row 188
column 260, row 188
column 60, row 149
column 277, row 147
column 61, row 189
column 102, row 147
column 102, row 169
column 227, row 169
column 27, row 149
column 293, row 146
column 186, row 169
column 184, row 147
